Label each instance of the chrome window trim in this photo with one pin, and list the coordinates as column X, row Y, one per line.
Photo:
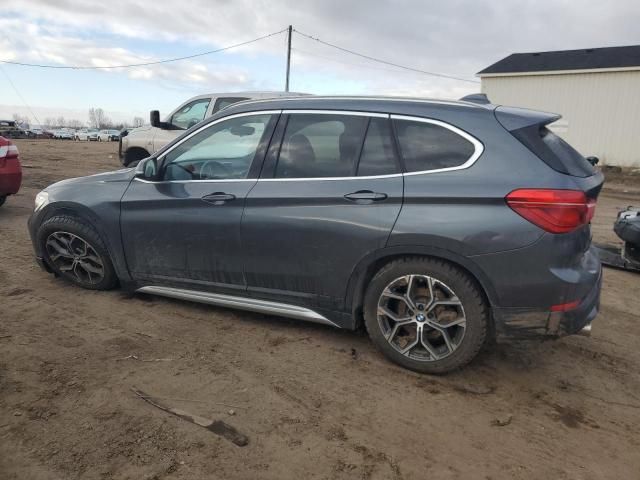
column 355, row 113
column 198, row 181
column 477, row 144
column 329, row 179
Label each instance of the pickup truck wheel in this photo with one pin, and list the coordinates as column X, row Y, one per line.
column 75, row 251
column 426, row 315
column 133, row 155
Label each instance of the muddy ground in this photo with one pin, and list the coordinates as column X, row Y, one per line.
column 315, row 402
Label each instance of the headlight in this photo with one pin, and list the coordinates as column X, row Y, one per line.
column 42, row 199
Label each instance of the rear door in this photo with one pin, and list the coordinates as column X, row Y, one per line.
column 184, row 230
column 329, row 194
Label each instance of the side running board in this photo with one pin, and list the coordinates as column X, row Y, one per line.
column 241, row 303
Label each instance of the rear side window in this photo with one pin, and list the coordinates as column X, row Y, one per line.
column 318, row 145
column 226, row 101
column 377, row 156
column 427, row 146
column 191, row 113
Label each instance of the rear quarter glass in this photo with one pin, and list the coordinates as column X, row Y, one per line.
column 530, row 128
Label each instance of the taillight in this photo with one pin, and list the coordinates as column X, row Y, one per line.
column 8, row 151
column 556, row 211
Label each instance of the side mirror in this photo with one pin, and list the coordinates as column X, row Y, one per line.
column 147, row 169
column 154, row 117
column 593, row 160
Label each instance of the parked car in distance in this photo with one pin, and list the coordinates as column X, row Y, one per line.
column 108, row 135
column 440, row 225
column 10, row 169
column 86, row 134
column 9, row 129
column 63, row 134
column 140, row 142
column 37, row 132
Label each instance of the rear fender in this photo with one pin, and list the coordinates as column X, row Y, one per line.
column 368, row 266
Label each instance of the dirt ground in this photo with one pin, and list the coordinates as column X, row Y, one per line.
column 315, row 402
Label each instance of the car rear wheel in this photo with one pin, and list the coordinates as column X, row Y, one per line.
column 75, row 251
column 426, row 315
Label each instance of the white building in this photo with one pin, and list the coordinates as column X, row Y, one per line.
column 597, row 92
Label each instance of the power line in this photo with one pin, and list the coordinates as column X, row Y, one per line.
column 360, row 65
column 76, row 67
column 20, row 96
column 374, row 59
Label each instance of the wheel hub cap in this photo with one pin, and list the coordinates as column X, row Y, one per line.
column 75, row 257
column 421, row 317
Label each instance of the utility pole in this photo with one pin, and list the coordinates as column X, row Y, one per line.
column 290, row 31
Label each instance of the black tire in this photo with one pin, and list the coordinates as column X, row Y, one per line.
column 133, row 155
column 3, row 198
column 476, row 312
column 76, row 227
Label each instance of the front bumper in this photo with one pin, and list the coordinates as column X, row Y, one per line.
column 525, row 323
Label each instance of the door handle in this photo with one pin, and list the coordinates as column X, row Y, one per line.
column 365, row 196
column 218, row 198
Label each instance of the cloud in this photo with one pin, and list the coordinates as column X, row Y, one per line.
column 457, row 37
column 32, row 43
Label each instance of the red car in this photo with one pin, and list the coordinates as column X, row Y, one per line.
column 10, row 169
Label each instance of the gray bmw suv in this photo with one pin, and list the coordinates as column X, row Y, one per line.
column 438, row 225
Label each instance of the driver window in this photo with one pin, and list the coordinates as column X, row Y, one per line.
column 190, row 114
column 223, row 151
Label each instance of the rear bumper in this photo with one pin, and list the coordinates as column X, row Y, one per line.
column 10, row 182
column 512, row 323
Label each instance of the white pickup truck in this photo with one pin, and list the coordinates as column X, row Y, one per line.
column 140, row 142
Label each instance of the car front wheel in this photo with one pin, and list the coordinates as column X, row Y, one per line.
column 426, row 315
column 75, row 251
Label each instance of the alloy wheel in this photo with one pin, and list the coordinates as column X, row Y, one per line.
column 75, row 257
column 421, row 317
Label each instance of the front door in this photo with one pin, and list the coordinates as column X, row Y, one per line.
column 184, row 230
column 328, row 198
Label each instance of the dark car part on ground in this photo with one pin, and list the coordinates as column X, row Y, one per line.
column 10, row 169
column 627, row 227
column 401, row 214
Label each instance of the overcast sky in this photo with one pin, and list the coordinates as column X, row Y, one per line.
column 456, row 37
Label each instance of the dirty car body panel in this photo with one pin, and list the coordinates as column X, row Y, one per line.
column 314, row 243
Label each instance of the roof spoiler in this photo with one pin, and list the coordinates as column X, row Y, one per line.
column 480, row 98
column 513, row 118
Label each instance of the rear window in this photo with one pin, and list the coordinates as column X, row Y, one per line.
column 427, row 146
column 554, row 151
column 226, row 101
